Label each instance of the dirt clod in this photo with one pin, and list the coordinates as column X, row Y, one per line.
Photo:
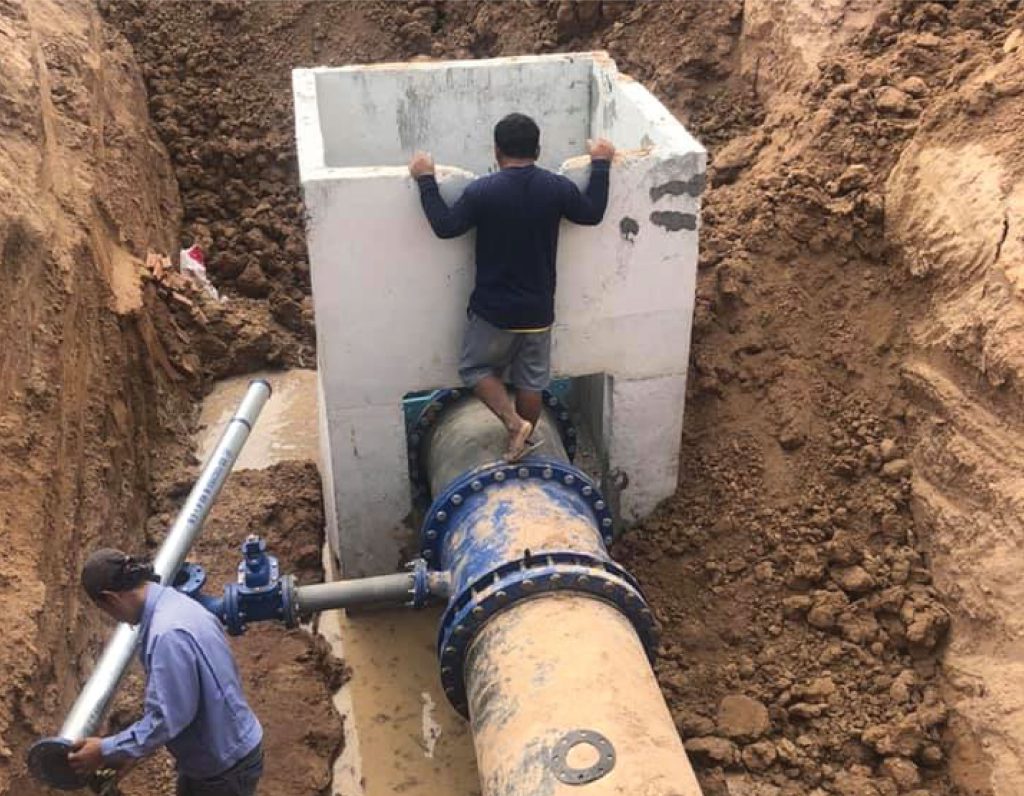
column 711, row 750
column 759, row 756
column 901, row 771
column 742, row 718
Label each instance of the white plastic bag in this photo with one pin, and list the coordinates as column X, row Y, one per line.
column 192, row 263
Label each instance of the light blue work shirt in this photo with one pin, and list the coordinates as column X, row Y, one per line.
column 194, row 703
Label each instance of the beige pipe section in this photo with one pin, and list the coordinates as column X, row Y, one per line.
column 563, row 662
column 469, row 435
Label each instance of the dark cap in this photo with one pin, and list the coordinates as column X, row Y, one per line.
column 108, row 569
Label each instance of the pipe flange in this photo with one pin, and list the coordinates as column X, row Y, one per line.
column 421, row 428
column 190, row 579
column 563, row 421
column 441, row 515
column 524, row 579
column 419, row 594
column 569, row 774
column 289, row 605
column 48, row 762
column 439, row 401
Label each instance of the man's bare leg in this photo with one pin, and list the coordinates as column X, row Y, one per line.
column 528, row 405
column 492, row 392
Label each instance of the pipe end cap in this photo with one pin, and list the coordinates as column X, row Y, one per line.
column 265, row 383
column 48, row 762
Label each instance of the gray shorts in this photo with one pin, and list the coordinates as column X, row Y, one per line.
column 488, row 350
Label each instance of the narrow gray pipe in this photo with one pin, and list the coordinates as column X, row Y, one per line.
column 468, row 435
column 92, row 702
column 380, row 589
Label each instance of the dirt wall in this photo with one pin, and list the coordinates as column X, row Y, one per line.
column 85, row 188
column 100, row 367
column 954, row 210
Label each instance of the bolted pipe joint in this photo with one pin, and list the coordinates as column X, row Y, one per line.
column 506, row 533
column 546, row 644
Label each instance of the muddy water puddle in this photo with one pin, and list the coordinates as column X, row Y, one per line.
column 407, row 739
column 287, row 426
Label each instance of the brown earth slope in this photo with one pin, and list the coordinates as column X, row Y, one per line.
column 84, row 189
column 955, row 208
column 96, row 380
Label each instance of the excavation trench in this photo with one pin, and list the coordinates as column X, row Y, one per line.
column 853, row 419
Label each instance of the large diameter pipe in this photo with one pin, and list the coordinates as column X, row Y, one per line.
column 468, row 435
column 550, row 682
column 545, row 642
column 87, row 711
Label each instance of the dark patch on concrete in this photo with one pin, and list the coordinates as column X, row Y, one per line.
column 674, row 221
column 691, row 187
column 628, row 228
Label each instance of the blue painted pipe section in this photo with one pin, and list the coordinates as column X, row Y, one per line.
column 511, row 519
column 215, row 605
column 509, row 532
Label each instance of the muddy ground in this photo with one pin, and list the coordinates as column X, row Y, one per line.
column 837, row 574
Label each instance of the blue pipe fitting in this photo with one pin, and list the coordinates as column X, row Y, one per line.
column 432, row 410
column 261, row 592
column 563, row 420
column 480, row 531
column 451, row 504
column 257, row 569
column 190, row 579
column 421, row 591
column 521, row 580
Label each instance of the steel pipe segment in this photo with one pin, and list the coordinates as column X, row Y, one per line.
column 555, row 427
column 47, row 758
column 546, row 643
column 397, row 589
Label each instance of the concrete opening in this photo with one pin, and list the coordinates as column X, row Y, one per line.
column 376, row 117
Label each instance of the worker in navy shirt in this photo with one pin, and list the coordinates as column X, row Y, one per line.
column 516, row 212
column 194, row 703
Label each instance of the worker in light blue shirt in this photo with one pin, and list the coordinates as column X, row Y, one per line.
column 194, row 703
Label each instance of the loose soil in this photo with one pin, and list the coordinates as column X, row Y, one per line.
column 836, row 576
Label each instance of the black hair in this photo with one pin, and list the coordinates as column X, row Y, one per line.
column 111, row 570
column 133, row 573
column 517, row 136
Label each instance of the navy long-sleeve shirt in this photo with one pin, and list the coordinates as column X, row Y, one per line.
column 516, row 213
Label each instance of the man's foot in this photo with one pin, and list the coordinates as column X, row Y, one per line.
column 518, row 441
column 528, row 447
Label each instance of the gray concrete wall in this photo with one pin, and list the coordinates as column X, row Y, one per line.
column 377, row 116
